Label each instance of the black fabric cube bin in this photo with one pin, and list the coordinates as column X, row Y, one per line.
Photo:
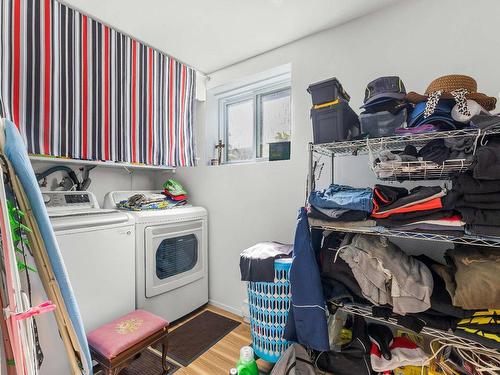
column 327, row 91
column 334, row 123
column 381, row 124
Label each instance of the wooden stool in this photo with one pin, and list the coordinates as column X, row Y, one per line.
column 115, row 345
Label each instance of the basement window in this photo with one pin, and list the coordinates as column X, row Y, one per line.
column 255, row 119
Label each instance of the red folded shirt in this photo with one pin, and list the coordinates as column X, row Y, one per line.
column 424, row 206
column 175, row 197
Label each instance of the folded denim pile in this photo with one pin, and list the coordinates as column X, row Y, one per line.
column 418, row 292
column 345, row 205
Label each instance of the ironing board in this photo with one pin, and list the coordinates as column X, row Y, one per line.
column 20, row 332
column 46, row 252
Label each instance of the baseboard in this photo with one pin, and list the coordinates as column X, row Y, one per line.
column 225, row 307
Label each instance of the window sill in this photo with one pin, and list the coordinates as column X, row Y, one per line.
column 247, row 162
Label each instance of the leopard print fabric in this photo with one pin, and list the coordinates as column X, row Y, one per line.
column 460, row 97
column 432, row 102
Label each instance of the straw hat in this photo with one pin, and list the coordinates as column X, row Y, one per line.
column 451, row 84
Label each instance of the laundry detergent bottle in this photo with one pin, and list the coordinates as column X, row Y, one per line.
column 247, row 365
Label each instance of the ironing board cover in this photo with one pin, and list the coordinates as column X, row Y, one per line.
column 15, row 151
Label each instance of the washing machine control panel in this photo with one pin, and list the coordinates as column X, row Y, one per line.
column 69, row 199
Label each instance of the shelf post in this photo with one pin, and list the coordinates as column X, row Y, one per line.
column 333, row 167
column 310, row 180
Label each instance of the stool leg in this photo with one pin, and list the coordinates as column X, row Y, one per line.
column 111, row 371
column 116, row 370
column 164, row 349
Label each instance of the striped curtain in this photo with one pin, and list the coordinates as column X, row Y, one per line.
column 79, row 89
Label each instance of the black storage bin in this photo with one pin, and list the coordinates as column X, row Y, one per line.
column 337, row 122
column 327, row 91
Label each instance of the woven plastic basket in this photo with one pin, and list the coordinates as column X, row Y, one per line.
column 268, row 304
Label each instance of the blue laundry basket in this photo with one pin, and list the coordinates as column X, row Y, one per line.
column 268, row 304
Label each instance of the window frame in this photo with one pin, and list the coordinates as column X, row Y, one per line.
column 252, row 92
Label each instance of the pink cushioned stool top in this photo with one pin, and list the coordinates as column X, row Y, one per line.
column 114, row 338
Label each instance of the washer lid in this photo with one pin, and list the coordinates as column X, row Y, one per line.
column 54, row 213
column 88, row 219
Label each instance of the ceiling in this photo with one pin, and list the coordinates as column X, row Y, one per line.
column 212, row 34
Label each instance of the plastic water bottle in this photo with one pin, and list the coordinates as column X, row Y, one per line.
column 247, row 365
column 233, row 371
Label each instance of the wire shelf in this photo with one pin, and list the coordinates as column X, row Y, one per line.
column 381, row 231
column 365, row 311
column 420, row 170
column 394, row 142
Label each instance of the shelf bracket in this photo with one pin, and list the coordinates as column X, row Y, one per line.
column 128, row 170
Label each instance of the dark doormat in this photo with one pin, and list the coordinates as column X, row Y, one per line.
column 148, row 363
column 195, row 337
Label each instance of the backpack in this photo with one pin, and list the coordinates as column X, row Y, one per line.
column 294, row 361
column 354, row 357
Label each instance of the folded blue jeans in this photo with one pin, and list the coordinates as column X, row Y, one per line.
column 343, row 197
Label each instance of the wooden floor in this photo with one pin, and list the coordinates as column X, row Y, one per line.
column 223, row 355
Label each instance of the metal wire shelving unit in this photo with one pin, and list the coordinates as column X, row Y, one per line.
column 429, row 171
column 395, row 142
column 443, row 336
column 407, row 171
column 426, row 236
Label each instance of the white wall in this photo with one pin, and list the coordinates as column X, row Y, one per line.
column 418, row 40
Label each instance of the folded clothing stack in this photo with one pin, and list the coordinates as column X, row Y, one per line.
column 146, row 201
column 478, row 202
column 487, row 161
column 175, row 192
column 343, row 204
column 421, row 208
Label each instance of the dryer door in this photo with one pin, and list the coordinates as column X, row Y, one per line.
column 174, row 256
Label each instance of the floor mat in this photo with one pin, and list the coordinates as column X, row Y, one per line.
column 148, row 363
column 195, row 337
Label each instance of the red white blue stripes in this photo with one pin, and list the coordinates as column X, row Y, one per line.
column 80, row 89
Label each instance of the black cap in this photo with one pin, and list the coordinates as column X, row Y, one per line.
column 384, row 87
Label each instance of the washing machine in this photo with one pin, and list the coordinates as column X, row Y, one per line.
column 98, row 249
column 171, row 257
